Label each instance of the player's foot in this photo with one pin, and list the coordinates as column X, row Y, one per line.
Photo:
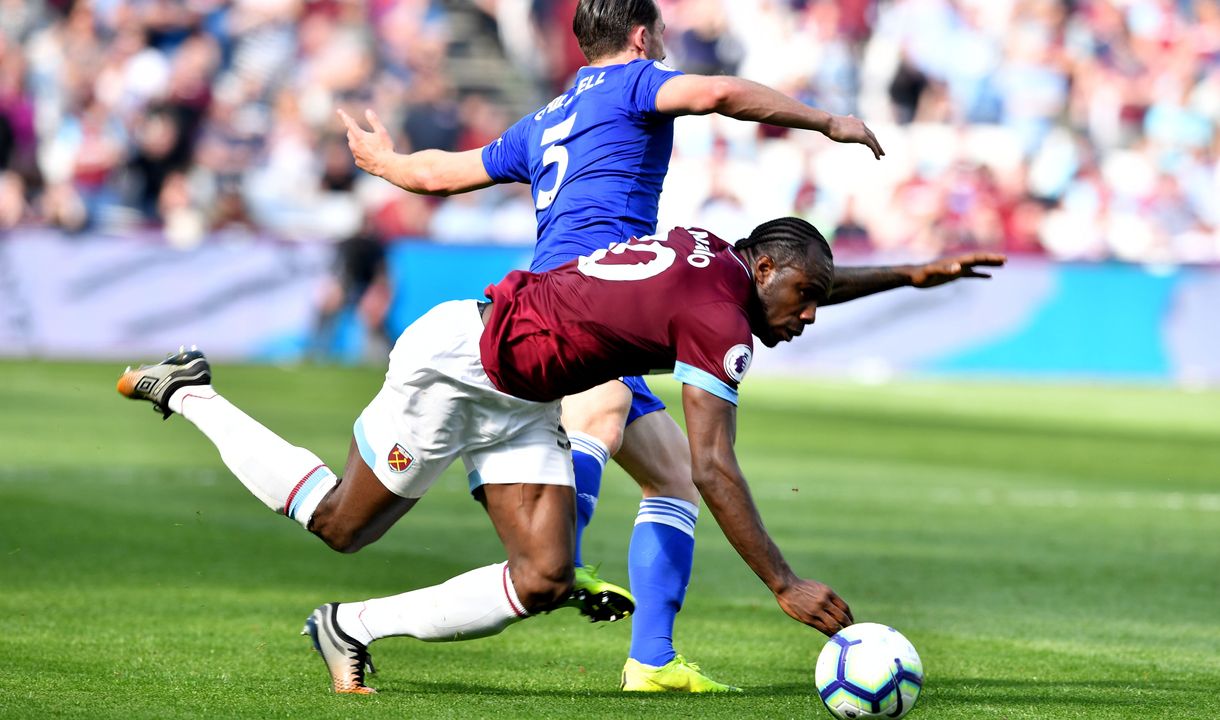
column 156, row 383
column 598, row 600
column 677, row 675
column 345, row 657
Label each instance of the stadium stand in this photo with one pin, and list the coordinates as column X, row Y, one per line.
column 1080, row 130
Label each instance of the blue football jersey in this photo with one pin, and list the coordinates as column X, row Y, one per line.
column 595, row 158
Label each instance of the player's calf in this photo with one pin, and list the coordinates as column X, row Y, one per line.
column 534, row 521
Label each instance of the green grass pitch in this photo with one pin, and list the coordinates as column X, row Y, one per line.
column 1052, row 551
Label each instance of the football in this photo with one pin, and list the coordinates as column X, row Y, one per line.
column 869, row 670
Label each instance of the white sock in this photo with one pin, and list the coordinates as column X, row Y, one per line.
column 476, row 604
column 288, row 479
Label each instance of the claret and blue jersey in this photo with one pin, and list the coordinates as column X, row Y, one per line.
column 553, row 334
column 595, row 158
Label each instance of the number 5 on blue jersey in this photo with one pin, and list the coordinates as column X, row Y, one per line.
column 556, row 154
column 596, row 180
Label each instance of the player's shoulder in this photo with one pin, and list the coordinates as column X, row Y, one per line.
column 693, row 233
column 644, row 73
column 612, row 81
column 707, row 236
column 644, row 65
column 706, row 249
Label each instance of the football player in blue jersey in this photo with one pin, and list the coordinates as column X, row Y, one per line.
column 596, row 157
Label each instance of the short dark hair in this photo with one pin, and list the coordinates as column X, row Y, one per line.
column 602, row 26
column 787, row 241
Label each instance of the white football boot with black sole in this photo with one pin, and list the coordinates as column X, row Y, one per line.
column 157, row 383
column 345, row 657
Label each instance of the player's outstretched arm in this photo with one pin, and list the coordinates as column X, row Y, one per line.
column 856, row 282
column 711, row 424
column 746, row 100
column 427, row 172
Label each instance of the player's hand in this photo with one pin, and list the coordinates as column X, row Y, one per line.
column 939, row 272
column 850, row 129
column 816, row 605
column 371, row 150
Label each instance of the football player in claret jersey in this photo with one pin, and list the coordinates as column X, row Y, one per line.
column 482, row 382
column 596, row 157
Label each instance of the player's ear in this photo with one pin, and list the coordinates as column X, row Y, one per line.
column 764, row 268
column 637, row 39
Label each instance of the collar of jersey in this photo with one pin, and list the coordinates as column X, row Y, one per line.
column 741, row 261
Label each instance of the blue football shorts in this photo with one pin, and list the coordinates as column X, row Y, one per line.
column 643, row 401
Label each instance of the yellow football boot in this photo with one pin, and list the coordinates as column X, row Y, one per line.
column 677, row 675
column 597, row 599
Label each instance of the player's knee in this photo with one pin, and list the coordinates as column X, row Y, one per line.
column 603, row 420
column 612, row 437
column 607, row 430
column 336, row 535
column 664, row 477
column 542, row 586
column 340, row 540
column 674, row 481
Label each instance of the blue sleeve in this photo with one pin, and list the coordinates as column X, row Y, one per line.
column 647, row 77
column 508, row 159
column 690, row 375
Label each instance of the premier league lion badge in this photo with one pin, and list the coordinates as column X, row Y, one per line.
column 737, row 362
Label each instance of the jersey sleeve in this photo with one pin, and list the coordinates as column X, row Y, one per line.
column 647, row 77
column 508, row 159
column 715, row 348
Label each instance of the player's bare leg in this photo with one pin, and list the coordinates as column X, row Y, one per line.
column 594, row 420
column 656, row 454
column 600, row 412
column 359, row 509
column 534, row 523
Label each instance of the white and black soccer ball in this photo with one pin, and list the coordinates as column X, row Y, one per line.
column 869, row 670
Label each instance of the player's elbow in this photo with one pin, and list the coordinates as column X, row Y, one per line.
column 425, row 173
column 720, row 95
column 707, row 474
column 429, row 182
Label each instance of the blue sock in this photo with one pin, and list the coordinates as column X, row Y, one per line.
column 589, row 458
column 658, row 564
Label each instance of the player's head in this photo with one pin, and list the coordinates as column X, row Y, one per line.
column 793, row 272
column 608, row 27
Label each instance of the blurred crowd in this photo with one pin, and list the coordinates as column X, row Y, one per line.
column 210, row 116
column 1083, row 130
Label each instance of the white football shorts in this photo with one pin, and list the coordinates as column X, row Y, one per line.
column 437, row 404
